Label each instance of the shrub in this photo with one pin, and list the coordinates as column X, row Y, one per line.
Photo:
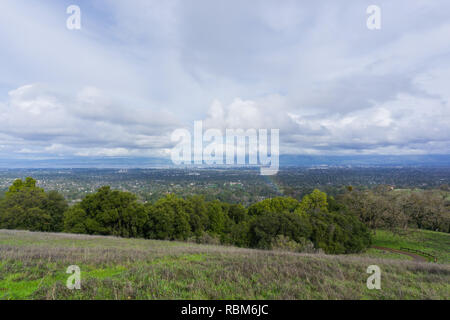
column 205, row 238
column 268, row 226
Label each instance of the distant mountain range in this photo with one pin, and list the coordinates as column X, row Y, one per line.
column 285, row 161
column 366, row 160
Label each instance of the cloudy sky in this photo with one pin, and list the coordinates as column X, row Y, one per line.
column 139, row 69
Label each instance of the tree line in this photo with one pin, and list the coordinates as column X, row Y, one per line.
column 317, row 222
column 396, row 210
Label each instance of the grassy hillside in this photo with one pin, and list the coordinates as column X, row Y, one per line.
column 33, row 266
column 434, row 243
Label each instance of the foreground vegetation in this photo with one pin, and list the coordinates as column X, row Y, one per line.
column 295, row 233
column 315, row 223
column 33, row 266
column 436, row 244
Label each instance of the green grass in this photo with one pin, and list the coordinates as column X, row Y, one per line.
column 435, row 243
column 377, row 253
column 33, row 266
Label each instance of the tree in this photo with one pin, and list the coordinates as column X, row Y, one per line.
column 55, row 206
column 26, row 206
column 315, row 201
column 19, row 185
column 75, row 220
column 195, row 207
column 217, row 217
column 338, row 232
column 167, row 219
column 366, row 206
column 278, row 204
column 107, row 212
column 266, row 227
column 237, row 213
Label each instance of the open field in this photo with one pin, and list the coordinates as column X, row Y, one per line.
column 434, row 243
column 33, row 266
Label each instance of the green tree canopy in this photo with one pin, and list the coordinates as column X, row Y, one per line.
column 107, row 212
column 26, row 206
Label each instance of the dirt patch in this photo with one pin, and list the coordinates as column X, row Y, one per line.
column 415, row 257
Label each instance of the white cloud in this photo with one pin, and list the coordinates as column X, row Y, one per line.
column 404, row 125
column 136, row 71
column 88, row 123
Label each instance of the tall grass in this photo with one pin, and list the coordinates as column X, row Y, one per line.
column 33, row 266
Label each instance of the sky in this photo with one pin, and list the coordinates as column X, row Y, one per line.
column 137, row 70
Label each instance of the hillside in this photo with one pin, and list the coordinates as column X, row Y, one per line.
column 33, row 266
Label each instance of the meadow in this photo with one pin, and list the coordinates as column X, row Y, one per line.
column 433, row 243
column 33, row 266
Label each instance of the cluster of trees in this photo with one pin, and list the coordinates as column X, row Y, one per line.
column 25, row 206
column 316, row 222
column 385, row 208
column 313, row 222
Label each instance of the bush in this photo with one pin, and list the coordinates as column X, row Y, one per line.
column 268, row 226
column 283, row 243
column 205, row 238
